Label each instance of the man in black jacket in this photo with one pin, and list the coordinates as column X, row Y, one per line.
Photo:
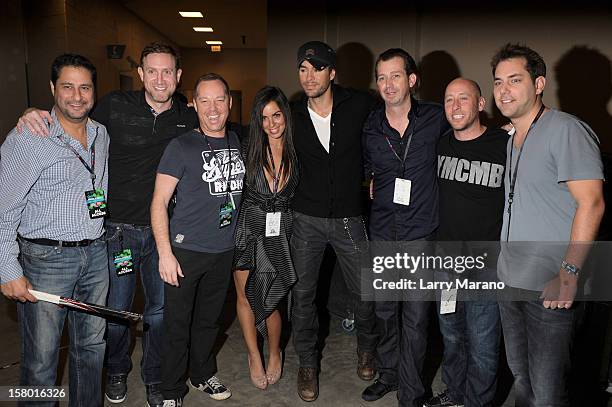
column 328, row 123
column 400, row 154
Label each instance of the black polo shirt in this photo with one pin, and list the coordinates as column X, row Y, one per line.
column 390, row 221
column 138, row 139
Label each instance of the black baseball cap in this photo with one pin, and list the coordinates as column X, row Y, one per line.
column 318, row 53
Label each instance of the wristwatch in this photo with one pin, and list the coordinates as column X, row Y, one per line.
column 570, row 268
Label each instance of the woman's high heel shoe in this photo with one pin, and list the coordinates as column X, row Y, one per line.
column 274, row 376
column 261, row 382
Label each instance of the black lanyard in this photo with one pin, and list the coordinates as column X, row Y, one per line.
column 92, row 153
column 276, row 177
column 403, row 159
column 220, row 165
column 513, row 175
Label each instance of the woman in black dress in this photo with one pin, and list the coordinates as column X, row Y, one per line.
column 264, row 271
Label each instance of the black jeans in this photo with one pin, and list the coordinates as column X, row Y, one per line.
column 538, row 349
column 401, row 350
column 308, row 242
column 191, row 315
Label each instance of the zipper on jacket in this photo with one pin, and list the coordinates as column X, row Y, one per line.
column 155, row 114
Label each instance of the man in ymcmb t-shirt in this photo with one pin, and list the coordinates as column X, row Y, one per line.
column 471, row 163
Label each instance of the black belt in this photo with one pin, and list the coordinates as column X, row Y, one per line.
column 49, row 242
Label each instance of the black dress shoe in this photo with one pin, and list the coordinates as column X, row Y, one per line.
column 377, row 390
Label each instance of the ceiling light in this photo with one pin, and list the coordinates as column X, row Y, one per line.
column 214, row 42
column 192, row 14
column 203, row 29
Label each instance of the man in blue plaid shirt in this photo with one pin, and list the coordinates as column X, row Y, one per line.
column 52, row 207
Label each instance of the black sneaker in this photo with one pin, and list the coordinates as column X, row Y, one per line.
column 154, row 396
column 213, row 387
column 442, row 400
column 116, row 388
column 377, row 390
column 173, row 403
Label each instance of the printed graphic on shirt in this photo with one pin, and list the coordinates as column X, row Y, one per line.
column 225, row 167
column 473, row 172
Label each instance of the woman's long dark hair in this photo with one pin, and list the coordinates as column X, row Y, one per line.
column 257, row 156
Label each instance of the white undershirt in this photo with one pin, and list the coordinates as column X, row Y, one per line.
column 322, row 127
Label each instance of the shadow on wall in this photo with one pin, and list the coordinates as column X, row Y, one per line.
column 355, row 66
column 584, row 87
column 436, row 70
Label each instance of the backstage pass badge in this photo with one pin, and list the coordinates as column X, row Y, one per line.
column 96, row 204
column 123, row 262
column 225, row 215
column 273, row 223
column 448, row 301
column 401, row 193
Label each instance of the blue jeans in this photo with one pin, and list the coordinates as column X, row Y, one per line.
column 471, row 338
column 538, row 349
column 80, row 273
column 121, row 295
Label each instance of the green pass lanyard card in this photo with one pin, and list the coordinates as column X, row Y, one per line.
column 96, row 204
column 123, row 262
column 225, row 215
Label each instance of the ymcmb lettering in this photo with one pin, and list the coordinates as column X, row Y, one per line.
column 472, row 172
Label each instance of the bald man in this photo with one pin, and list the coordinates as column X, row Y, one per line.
column 471, row 209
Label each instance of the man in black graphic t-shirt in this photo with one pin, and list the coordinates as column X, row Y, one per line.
column 471, row 163
column 196, row 252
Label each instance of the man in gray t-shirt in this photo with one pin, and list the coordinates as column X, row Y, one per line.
column 559, row 148
column 553, row 187
column 203, row 165
column 196, row 250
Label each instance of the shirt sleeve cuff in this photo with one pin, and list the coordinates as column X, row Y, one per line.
column 12, row 271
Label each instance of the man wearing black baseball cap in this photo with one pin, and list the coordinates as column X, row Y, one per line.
column 328, row 122
column 318, row 54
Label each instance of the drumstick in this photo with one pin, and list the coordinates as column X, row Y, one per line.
column 85, row 306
